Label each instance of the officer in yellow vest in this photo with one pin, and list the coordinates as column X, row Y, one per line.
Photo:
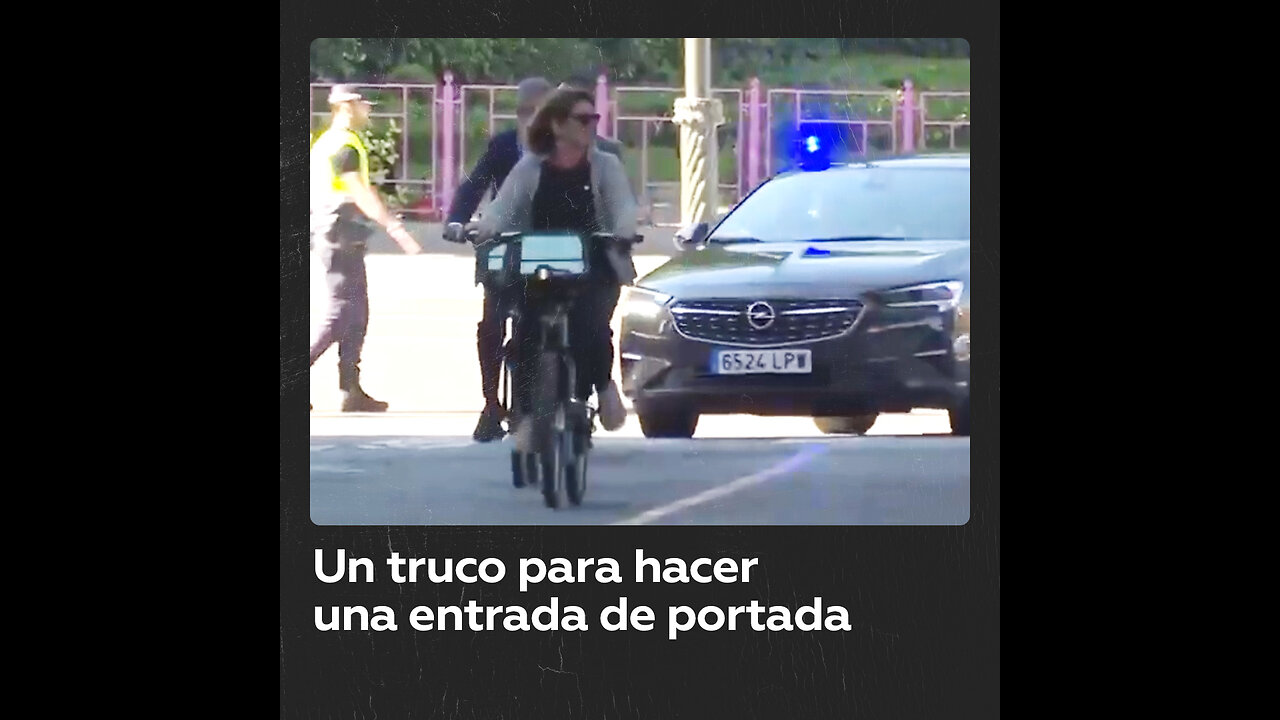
column 342, row 203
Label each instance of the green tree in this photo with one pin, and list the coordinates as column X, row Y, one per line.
column 629, row 60
column 335, row 59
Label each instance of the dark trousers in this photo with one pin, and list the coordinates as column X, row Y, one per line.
column 590, row 340
column 489, row 334
column 347, row 318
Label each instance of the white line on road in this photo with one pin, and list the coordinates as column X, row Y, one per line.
column 394, row 445
column 446, row 446
column 336, row 469
column 786, row 466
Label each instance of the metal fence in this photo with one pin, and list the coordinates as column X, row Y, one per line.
column 444, row 126
column 958, row 122
column 659, row 198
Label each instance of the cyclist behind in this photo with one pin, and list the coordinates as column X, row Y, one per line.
column 503, row 152
column 565, row 183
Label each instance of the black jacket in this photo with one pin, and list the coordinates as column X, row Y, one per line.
column 495, row 164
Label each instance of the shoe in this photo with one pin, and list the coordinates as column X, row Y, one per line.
column 489, row 428
column 357, row 401
column 612, row 414
column 523, row 433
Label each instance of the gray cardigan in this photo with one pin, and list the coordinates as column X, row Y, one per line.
column 615, row 206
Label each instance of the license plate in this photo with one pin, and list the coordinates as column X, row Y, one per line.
column 762, row 362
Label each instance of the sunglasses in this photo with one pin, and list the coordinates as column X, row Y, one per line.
column 586, row 118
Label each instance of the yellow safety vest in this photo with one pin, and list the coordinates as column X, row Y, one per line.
column 328, row 191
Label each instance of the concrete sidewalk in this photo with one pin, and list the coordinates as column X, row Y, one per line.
column 420, row 351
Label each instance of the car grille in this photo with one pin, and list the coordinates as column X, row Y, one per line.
column 794, row 321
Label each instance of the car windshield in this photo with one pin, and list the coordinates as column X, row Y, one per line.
column 854, row 204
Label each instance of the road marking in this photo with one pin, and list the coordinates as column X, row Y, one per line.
column 792, row 463
column 336, row 469
column 398, row 444
column 447, row 446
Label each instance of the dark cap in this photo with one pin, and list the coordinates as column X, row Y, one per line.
column 580, row 81
column 347, row 93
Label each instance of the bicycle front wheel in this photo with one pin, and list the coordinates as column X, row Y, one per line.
column 576, row 477
column 549, row 426
column 578, row 447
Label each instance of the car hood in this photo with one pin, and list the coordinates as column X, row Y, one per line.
column 808, row 270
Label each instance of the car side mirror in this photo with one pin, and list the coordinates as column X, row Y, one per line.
column 691, row 235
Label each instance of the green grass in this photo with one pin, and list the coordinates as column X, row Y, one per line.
column 876, row 72
column 665, row 167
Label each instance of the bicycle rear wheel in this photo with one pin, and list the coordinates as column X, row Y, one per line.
column 522, row 473
column 575, row 480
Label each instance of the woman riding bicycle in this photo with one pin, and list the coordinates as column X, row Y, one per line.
column 565, row 184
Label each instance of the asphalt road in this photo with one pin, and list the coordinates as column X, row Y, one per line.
column 417, row 465
column 434, row 480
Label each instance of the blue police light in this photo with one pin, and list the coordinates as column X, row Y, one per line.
column 814, row 143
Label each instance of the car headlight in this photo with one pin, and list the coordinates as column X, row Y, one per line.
column 941, row 295
column 645, row 303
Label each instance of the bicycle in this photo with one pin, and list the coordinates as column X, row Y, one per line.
column 549, row 270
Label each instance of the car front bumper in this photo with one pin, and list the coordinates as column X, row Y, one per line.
column 892, row 360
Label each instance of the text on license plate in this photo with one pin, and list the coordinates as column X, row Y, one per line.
column 761, row 362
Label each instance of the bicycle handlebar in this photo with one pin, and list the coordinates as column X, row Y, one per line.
column 456, row 233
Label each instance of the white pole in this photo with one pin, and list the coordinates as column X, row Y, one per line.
column 698, row 115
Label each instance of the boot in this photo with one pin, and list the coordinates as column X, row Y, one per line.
column 489, row 428
column 354, row 398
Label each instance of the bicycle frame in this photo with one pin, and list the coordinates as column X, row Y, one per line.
column 552, row 326
column 561, row 446
column 550, row 298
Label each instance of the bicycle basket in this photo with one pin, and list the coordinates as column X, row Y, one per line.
column 563, row 254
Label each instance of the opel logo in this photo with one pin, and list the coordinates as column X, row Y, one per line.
column 760, row 315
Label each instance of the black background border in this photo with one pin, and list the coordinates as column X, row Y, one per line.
column 925, row 602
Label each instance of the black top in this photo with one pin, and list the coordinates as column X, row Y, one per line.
column 346, row 160
column 502, row 154
column 563, row 200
